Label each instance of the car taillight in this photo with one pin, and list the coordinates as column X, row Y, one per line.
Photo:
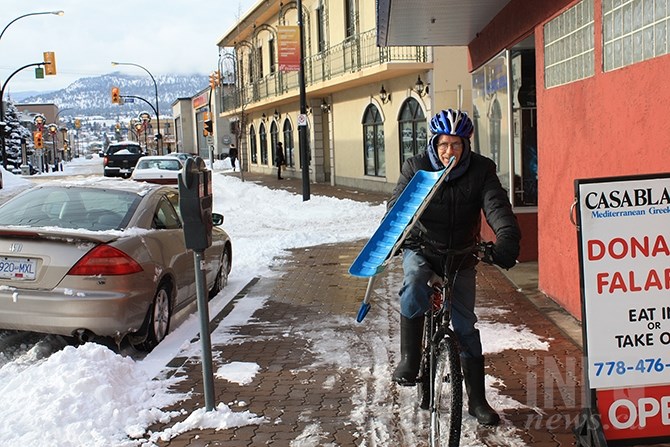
column 104, row 161
column 105, row 260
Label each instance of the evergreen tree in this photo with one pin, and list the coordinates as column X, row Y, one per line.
column 15, row 133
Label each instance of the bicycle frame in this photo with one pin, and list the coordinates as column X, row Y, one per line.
column 440, row 349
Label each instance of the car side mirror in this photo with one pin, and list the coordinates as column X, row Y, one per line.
column 217, row 219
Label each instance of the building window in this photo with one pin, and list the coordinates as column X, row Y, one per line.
column 289, row 148
column 260, row 62
column 264, row 145
column 271, row 50
column 568, row 45
column 252, row 145
column 373, row 142
column 412, row 129
column 274, row 138
column 350, row 18
column 633, row 31
column 251, row 68
column 320, row 31
column 491, row 118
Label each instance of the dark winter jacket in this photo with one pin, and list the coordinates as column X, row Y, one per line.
column 279, row 156
column 452, row 219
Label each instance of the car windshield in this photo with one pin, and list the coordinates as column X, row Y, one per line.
column 169, row 165
column 92, row 209
column 124, row 149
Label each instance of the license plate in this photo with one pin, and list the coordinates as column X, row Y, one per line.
column 18, row 268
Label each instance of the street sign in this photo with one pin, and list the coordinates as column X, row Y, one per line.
column 302, row 119
column 128, row 100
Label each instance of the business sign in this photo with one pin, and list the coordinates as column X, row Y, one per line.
column 624, row 226
column 200, row 101
column 288, row 48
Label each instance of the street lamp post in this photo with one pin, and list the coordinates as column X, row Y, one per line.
column 62, row 129
column 53, row 128
column 158, row 121
column 2, row 111
column 58, row 13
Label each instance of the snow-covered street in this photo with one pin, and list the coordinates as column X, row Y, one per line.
column 89, row 396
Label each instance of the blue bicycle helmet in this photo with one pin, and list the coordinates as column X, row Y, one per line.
column 452, row 122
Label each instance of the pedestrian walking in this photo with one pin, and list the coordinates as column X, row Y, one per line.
column 279, row 159
column 452, row 220
column 232, row 154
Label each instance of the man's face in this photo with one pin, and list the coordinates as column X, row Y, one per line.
column 449, row 146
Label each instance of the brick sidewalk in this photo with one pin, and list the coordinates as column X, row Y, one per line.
column 326, row 394
column 305, row 396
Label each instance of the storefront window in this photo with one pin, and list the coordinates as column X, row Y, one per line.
column 373, row 142
column 264, row 145
column 412, row 130
column 288, row 143
column 505, row 121
column 524, row 127
column 252, row 145
column 491, row 115
column 274, row 138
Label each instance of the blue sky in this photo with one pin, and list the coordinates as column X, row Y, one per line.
column 166, row 36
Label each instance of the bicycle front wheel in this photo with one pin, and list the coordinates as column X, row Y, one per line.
column 447, row 409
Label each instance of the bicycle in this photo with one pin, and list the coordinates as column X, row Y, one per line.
column 440, row 380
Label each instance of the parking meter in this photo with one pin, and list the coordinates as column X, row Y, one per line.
column 195, row 203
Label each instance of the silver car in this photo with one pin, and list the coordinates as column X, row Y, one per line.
column 101, row 258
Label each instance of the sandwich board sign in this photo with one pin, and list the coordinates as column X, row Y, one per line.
column 624, row 253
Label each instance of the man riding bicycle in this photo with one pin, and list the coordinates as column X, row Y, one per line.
column 452, row 220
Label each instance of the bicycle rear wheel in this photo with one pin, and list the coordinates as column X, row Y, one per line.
column 447, row 409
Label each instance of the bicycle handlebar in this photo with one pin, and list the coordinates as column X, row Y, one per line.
column 483, row 251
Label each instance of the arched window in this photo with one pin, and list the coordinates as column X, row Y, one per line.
column 264, row 145
column 274, row 138
column 373, row 142
column 412, row 129
column 289, row 147
column 252, row 145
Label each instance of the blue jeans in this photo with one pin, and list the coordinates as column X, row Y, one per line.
column 415, row 300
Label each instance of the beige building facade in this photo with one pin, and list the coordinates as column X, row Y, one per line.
column 367, row 107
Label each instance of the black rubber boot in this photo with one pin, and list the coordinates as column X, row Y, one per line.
column 411, row 333
column 473, row 373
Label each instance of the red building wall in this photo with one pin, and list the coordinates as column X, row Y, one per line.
column 610, row 124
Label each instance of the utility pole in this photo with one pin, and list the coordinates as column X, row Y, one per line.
column 302, row 124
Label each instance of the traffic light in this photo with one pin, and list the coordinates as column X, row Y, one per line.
column 116, row 96
column 208, row 127
column 38, row 140
column 49, row 63
column 215, row 79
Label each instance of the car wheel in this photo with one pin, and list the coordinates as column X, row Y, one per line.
column 222, row 276
column 158, row 319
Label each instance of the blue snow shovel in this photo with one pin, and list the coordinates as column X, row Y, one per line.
column 395, row 227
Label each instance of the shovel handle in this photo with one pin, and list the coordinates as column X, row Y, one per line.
column 365, row 305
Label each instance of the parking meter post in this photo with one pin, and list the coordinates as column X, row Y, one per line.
column 195, row 205
column 205, row 340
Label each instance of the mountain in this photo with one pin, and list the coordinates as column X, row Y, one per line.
column 92, row 96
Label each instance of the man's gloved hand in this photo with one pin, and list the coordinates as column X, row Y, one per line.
column 503, row 255
column 487, row 253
